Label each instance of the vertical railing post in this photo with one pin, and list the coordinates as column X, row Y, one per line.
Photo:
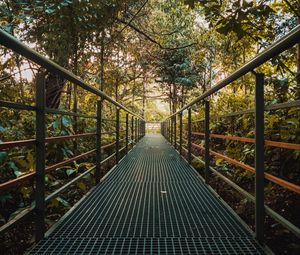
column 167, row 129
column 189, row 145
column 40, row 157
column 126, row 148
column 139, row 129
column 117, row 134
column 170, row 130
column 98, row 141
column 132, row 131
column 180, row 133
column 259, row 157
column 175, row 135
column 207, row 134
column 135, row 129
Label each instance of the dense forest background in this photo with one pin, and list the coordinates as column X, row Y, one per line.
column 153, row 56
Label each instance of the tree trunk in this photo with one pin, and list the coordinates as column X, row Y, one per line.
column 102, row 60
column 133, row 90
column 174, row 98
column 54, row 87
column 144, row 94
column 298, row 73
column 170, row 98
column 182, row 96
column 116, row 89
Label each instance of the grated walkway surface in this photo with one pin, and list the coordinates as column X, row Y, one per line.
column 153, row 202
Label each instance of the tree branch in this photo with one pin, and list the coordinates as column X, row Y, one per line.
column 151, row 39
column 133, row 17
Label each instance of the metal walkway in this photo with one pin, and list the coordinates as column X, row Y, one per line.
column 153, row 202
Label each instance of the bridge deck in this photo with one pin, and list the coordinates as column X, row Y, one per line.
column 153, row 202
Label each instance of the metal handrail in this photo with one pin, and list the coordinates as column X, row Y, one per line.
column 271, row 107
column 291, row 227
column 15, row 45
column 168, row 129
column 137, row 129
column 273, row 50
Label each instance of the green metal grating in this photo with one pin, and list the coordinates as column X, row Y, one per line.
column 153, row 202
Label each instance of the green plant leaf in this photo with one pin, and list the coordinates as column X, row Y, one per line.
column 15, row 169
column 66, row 121
column 2, row 129
column 70, row 171
column 56, row 123
column 3, row 156
column 49, row 10
column 82, row 186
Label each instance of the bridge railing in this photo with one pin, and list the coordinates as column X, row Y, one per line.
column 173, row 129
column 127, row 128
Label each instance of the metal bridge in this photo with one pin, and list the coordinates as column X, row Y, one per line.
column 152, row 201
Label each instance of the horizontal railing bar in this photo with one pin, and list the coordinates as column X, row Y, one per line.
column 14, row 44
column 111, row 144
column 28, row 176
column 67, row 137
column 112, row 120
column 55, row 193
column 272, row 178
column 273, row 50
column 108, row 145
column 26, row 212
column 17, row 106
column 55, row 111
column 67, row 161
column 295, row 103
column 17, row 180
column 67, row 185
column 284, row 222
column 12, row 144
column 287, row 224
column 124, row 147
column 290, row 146
column 22, row 215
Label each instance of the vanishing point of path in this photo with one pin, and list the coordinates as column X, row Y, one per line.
column 152, row 202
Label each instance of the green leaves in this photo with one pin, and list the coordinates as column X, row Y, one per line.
column 70, row 172
column 66, row 121
column 82, row 186
column 3, row 156
column 8, row 28
column 2, row 129
column 14, row 168
column 50, row 10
